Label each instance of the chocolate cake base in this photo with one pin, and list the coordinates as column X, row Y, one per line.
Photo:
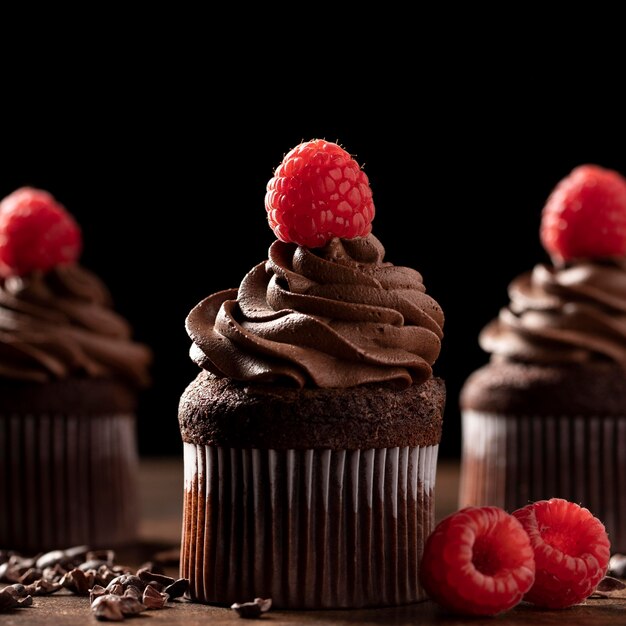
column 222, row 412
column 510, row 388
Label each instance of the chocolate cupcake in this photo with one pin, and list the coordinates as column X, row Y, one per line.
column 546, row 417
column 69, row 378
column 311, row 433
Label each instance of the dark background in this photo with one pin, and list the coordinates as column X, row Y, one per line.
column 168, row 185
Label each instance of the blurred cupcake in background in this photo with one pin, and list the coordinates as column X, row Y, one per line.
column 70, row 375
column 546, row 417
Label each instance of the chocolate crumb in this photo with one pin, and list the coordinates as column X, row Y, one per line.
column 252, row 610
column 14, row 596
column 149, row 576
column 30, row 575
column 131, row 605
column 132, row 592
column 177, row 588
column 609, row 587
column 78, row 581
column 248, row 610
column 610, row 584
column 43, row 587
column 154, row 599
column 128, row 579
column 27, row 601
column 7, row 601
column 108, row 608
column 95, row 592
column 114, row 608
column 114, row 591
column 617, row 566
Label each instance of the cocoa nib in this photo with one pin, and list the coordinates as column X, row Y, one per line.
column 14, row 597
column 617, row 566
column 149, row 576
column 115, row 591
column 116, row 608
column 177, row 589
column 252, row 610
column 609, row 587
column 154, row 599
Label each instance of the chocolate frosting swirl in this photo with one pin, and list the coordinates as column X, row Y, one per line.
column 573, row 314
column 59, row 324
column 336, row 316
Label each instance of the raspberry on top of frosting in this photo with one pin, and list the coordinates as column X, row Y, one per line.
column 325, row 310
column 56, row 317
column 319, row 192
column 36, row 233
column 585, row 216
column 573, row 310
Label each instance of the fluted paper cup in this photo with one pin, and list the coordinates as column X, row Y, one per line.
column 308, row 528
column 509, row 461
column 67, row 480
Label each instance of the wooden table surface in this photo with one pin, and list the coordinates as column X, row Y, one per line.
column 161, row 506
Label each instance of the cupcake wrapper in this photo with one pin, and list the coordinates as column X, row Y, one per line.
column 67, row 480
column 307, row 528
column 509, row 461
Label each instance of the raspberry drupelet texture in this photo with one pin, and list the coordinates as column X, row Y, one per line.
column 585, row 216
column 478, row 561
column 572, row 551
column 319, row 192
column 36, row 233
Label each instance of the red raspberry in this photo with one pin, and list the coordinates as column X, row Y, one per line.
column 478, row 561
column 585, row 216
column 36, row 233
column 572, row 551
column 319, row 192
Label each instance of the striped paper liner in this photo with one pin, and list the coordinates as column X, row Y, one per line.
column 307, row 528
column 509, row 461
column 67, row 480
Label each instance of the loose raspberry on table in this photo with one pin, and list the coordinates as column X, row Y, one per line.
column 585, row 216
column 478, row 561
column 571, row 548
column 319, row 192
column 36, row 233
